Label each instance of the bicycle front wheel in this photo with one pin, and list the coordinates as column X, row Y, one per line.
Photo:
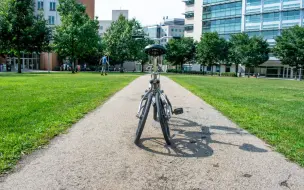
column 163, row 119
column 142, row 118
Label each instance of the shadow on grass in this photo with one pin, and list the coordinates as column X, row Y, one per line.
column 186, row 142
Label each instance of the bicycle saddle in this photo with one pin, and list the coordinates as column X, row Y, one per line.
column 155, row 50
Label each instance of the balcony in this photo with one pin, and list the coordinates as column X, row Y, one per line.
column 189, row 14
column 189, row 2
column 189, row 27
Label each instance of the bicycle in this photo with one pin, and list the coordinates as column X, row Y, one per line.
column 162, row 108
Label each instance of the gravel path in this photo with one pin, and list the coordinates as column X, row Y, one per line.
column 209, row 152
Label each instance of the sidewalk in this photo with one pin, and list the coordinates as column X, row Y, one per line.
column 208, row 152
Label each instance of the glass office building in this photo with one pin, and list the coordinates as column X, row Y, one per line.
column 224, row 17
column 255, row 17
column 266, row 18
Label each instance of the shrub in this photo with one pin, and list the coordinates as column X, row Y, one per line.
column 57, row 68
column 229, row 74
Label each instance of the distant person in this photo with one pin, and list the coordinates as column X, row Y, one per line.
column 104, row 62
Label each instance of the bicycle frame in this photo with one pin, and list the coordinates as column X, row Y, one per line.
column 155, row 88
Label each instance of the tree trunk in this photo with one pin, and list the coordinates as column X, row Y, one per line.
column 300, row 74
column 142, row 67
column 19, row 62
column 181, row 66
column 211, row 70
column 249, row 72
column 73, row 66
column 237, row 70
column 203, row 69
column 220, row 71
column 121, row 67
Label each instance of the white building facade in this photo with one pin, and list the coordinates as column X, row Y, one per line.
column 265, row 18
column 193, row 18
column 105, row 24
column 171, row 28
column 49, row 10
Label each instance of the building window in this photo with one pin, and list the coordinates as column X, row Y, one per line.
column 220, row 11
column 212, row 1
column 224, row 26
column 270, row 34
column 267, row 2
column 253, row 2
column 189, row 27
column 51, row 20
column 227, row 69
column 40, row 5
column 291, row 15
column 269, row 17
column 251, row 34
column 190, row 2
column 101, row 27
column 289, row 0
column 253, row 19
column 52, row 6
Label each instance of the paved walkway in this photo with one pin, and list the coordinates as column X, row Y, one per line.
column 209, row 152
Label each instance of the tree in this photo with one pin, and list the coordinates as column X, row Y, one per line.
column 258, row 52
column 141, row 41
column 21, row 30
column 4, row 30
column 238, row 48
column 119, row 41
column 180, row 51
column 77, row 36
column 247, row 51
column 141, row 56
column 212, row 49
column 289, row 47
column 94, row 58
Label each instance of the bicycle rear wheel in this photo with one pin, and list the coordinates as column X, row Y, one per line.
column 142, row 118
column 162, row 119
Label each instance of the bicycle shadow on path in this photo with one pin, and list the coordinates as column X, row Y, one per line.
column 191, row 139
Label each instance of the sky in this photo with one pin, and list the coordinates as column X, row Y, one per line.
column 148, row 12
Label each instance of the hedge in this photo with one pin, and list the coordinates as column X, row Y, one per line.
column 201, row 73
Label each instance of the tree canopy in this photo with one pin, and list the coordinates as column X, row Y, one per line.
column 180, row 51
column 77, row 37
column 289, row 47
column 120, row 45
column 212, row 49
column 247, row 51
column 21, row 30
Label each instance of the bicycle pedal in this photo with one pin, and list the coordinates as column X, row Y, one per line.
column 178, row 111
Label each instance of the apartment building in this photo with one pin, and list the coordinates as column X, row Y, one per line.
column 45, row 61
column 193, row 18
column 265, row 18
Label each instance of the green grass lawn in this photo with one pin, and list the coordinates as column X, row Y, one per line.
column 36, row 107
column 270, row 109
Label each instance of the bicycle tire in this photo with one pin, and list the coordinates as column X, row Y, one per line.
column 143, row 118
column 155, row 112
column 162, row 120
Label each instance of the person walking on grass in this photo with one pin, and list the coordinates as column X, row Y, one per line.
column 104, row 62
